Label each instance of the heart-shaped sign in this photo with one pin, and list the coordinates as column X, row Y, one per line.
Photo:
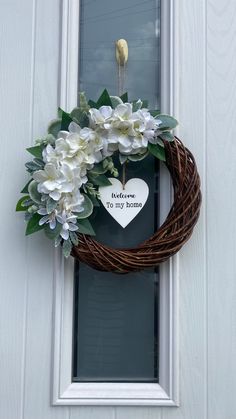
column 123, row 204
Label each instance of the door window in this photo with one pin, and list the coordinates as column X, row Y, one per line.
column 116, row 316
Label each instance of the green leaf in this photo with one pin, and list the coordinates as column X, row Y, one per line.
column 167, row 122
column 51, row 205
column 98, row 169
column 157, row 151
column 54, row 127
column 65, row 121
column 67, row 247
column 104, row 99
column 36, row 151
column 115, row 100
column 52, row 234
column 100, row 180
column 33, row 225
column 138, row 157
column 94, row 201
column 25, row 189
column 80, row 117
column 59, row 113
column 85, row 227
column 88, row 208
column 93, row 104
column 124, row 97
column 167, row 136
column 33, row 192
column 20, row 204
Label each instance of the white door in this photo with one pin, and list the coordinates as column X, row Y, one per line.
column 39, row 71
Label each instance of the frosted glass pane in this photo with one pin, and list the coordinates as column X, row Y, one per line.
column 105, row 21
column 116, row 317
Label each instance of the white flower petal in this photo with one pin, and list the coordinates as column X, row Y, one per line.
column 52, row 224
column 75, row 128
column 73, row 227
column 64, row 234
column 62, row 135
column 43, row 220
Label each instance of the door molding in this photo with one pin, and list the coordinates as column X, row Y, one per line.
column 166, row 393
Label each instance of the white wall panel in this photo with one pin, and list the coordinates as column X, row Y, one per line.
column 221, row 204
column 15, row 81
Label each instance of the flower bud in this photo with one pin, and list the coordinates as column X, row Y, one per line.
column 121, row 52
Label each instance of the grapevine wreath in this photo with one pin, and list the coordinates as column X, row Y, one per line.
column 70, row 167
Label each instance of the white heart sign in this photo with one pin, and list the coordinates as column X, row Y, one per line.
column 123, row 204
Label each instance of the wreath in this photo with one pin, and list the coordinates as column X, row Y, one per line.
column 74, row 162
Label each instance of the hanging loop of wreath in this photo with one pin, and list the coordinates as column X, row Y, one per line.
column 172, row 234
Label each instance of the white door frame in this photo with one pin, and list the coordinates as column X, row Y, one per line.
column 166, row 393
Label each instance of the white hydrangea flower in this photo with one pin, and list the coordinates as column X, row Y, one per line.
column 72, row 202
column 77, row 150
column 49, row 180
column 124, row 130
column 56, row 180
column 48, row 218
column 101, row 117
column 68, row 224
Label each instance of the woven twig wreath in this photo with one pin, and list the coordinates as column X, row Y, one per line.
column 169, row 238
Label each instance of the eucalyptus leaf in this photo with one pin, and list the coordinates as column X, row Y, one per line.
column 33, row 192
column 88, row 208
column 160, row 142
column 137, row 157
column 155, row 113
column 115, row 100
column 137, row 104
column 123, row 158
column 36, row 151
column 66, row 248
column 51, row 205
column 145, row 103
column 167, row 136
column 100, row 180
column 31, row 166
column 54, row 127
column 167, row 122
column 157, row 151
column 39, row 162
column 83, row 103
column 85, row 227
column 33, row 225
column 74, row 238
column 80, row 117
column 20, row 204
